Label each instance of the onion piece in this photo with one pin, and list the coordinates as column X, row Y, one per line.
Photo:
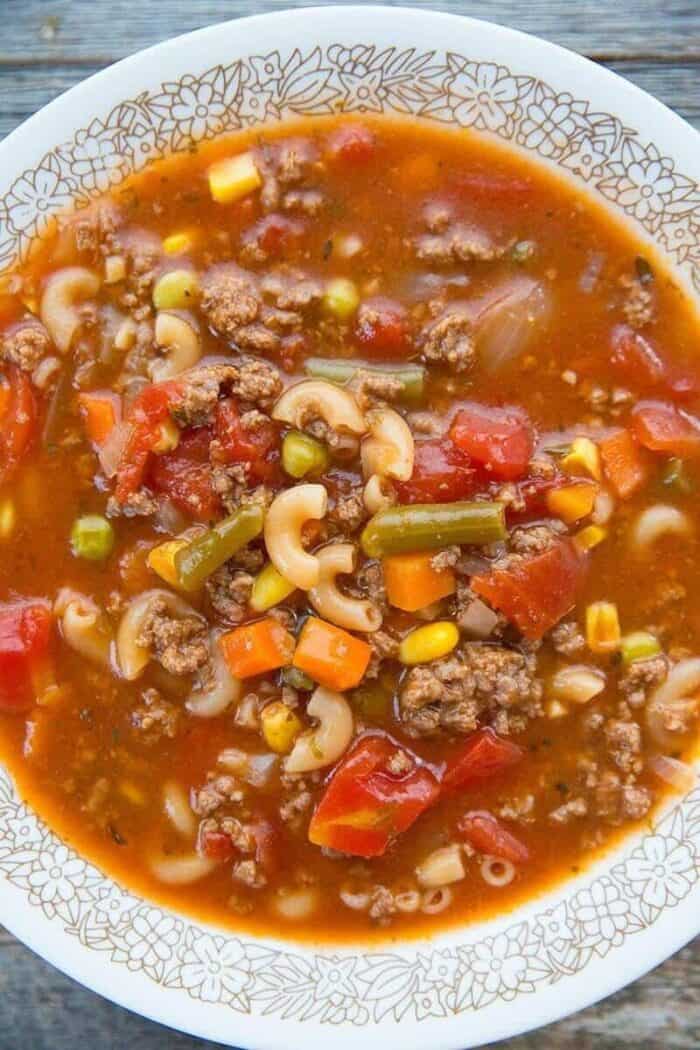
column 110, row 451
column 678, row 775
column 508, row 318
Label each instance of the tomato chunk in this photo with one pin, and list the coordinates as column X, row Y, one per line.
column 18, row 419
column 441, row 474
column 274, row 235
column 488, row 835
column 185, row 476
column 366, row 805
column 257, row 448
column 662, row 427
column 151, row 408
column 483, row 755
column 381, row 328
column 25, row 633
column 640, row 363
column 536, row 592
column 624, row 463
column 499, row 439
column 354, row 144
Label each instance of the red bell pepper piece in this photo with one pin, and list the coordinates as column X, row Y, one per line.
column 499, row 439
column 25, row 634
column 365, row 805
column 484, row 754
column 487, row 835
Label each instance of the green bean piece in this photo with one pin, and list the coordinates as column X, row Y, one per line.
column 92, row 537
column 677, row 477
column 428, row 526
column 203, row 556
column 341, row 370
column 297, row 679
column 639, row 645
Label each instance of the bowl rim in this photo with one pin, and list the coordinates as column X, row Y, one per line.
column 619, row 964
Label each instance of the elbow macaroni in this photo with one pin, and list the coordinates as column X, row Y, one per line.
column 221, row 690
column 325, row 744
column 181, row 341
column 376, row 495
column 659, row 520
column 65, row 289
column 388, row 450
column 319, row 399
column 130, row 657
column 355, row 614
column 84, row 626
column 283, row 524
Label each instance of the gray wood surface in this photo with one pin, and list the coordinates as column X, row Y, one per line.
column 48, row 45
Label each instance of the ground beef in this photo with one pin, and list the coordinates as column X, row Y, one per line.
column 535, row 539
column 230, row 299
column 520, row 810
column 624, row 744
column 457, row 243
column 296, row 804
column 155, row 718
column 382, row 905
column 617, row 802
column 400, row 763
column 448, row 340
column 249, row 873
column 25, row 344
column 638, row 304
column 445, row 559
column 257, row 382
column 228, row 592
column 292, row 290
column 567, row 639
column 455, row 693
column 217, row 792
column 384, row 647
column 641, row 677
column 137, row 504
column 94, row 229
column 180, row 644
column 284, row 164
column 371, row 388
column 310, row 202
column 425, row 423
column 347, row 511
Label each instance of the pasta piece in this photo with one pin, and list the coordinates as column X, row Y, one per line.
column 181, row 341
column 283, row 524
column 388, row 450
column 355, row 614
column 497, row 872
column 84, row 626
column 64, row 291
column 296, row 904
column 221, row 688
column 132, row 658
column 318, row 399
column 325, row 744
column 673, row 705
column 441, row 867
column 179, row 871
column 657, row 521
column 433, row 901
column 178, row 811
column 376, row 495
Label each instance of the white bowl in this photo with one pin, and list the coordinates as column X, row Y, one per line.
column 589, row 936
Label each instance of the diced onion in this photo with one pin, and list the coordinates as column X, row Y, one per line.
column 110, row 451
column 678, row 775
column 509, row 318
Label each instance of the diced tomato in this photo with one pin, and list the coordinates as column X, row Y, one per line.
column 184, row 476
column 488, row 835
column 18, row 419
column 441, row 474
column 354, row 144
column 365, row 806
column 499, row 439
column 275, row 234
column 381, row 328
column 267, row 839
column 483, row 755
column 257, row 448
column 25, row 633
column 531, row 499
column 624, row 462
column 662, row 427
column 639, row 363
column 536, row 592
column 216, row 845
column 151, row 408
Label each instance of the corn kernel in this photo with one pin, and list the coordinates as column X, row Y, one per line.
column 115, row 269
column 280, row 727
column 583, row 455
column 175, row 290
column 161, row 560
column 602, row 627
column 555, row 709
column 233, row 178
column 132, row 793
column 572, row 502
column 639, row 645
column 341, row 298
column 431, row 642
column 589, row 537
column 168, row 437
column 269, row 589
column 178, row 243
column 8, row 518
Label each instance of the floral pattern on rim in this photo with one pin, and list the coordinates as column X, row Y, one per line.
column 355, row 988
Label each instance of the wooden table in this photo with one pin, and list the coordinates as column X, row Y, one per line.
column 48, row 45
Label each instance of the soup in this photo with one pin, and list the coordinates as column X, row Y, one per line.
column 349, row 487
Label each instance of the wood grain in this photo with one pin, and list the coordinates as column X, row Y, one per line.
column 46, row 46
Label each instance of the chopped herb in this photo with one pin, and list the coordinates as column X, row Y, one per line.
column 645, row 274
column 327, row 250
column 117, row 837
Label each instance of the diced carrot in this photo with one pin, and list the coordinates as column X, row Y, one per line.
column 331, row 656
column 256, row 648
column 412, row 582
column 101, row 410
column 624, row 463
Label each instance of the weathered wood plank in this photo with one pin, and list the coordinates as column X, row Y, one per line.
column 65, row 30
column 25, row 89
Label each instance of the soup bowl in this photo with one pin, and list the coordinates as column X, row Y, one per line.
column 575, row 943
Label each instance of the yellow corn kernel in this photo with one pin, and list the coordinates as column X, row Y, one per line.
column 602, row 627
column 431, row 642
column 162, row 560
column 178, row 243
column 269, row 589
column 132, row 793
column 589, row 537
column 175, row 290
column 8, row 518
column 115, row 269
column 341, row 298
column 168, row 437
column 583, row 455
column 280, row 727
column 233, row 178
column 572, row 502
